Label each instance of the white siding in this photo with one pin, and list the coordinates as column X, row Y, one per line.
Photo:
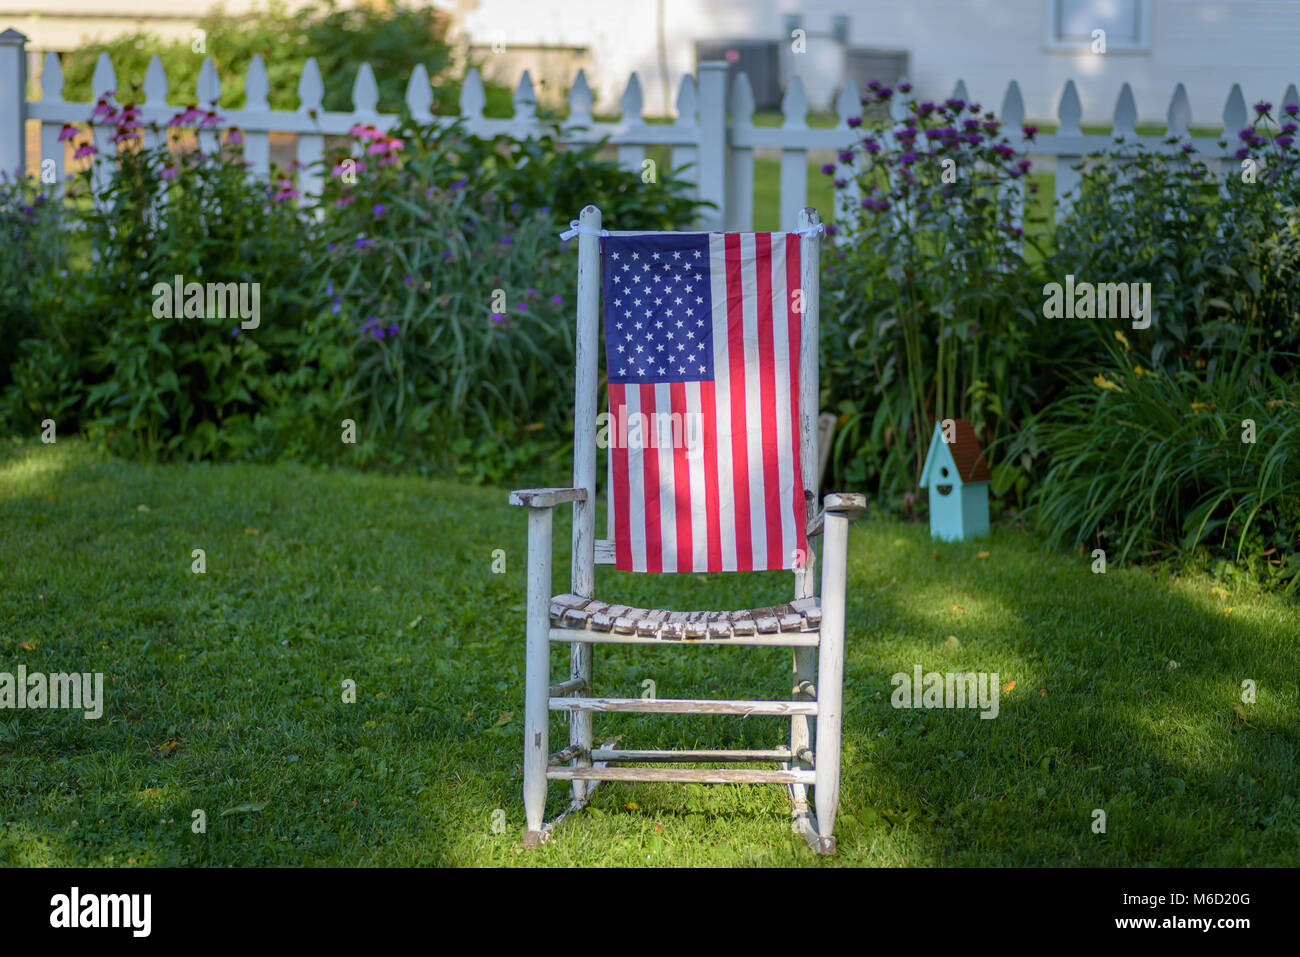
column 1205, row 44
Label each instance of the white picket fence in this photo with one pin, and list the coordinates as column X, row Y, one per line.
column 713, row 132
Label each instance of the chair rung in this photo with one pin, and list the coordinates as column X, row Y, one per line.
column 566, row 687
column 684, row 706
column 787, row 639
column 567, row 755
column 685, row 775
column 622, row 754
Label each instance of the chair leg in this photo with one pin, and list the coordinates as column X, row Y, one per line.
column 537, row 672
column 830, row 678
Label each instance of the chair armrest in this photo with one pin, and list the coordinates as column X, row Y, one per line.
column 546, row 497
column 850, row 504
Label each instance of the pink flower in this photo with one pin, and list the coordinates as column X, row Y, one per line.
column 234, row 136
column 67, row 133
column 187, row 117
column 84, row 151
column 168, row 172
column 210, row 119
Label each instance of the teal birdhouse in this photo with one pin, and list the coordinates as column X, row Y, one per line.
column 957, row 475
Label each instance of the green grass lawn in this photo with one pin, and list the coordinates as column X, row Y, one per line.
column 224, row 690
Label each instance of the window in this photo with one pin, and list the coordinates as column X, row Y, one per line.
column 1072, row 24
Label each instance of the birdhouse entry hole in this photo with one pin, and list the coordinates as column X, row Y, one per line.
column 943, row 489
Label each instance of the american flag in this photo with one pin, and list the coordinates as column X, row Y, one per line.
column 702, row 356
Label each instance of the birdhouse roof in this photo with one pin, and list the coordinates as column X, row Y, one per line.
column 965, row 451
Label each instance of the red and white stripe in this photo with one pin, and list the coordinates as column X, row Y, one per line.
column 738, row 504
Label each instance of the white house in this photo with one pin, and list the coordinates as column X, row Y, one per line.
column 1152, row 44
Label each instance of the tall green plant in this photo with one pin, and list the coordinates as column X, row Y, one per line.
column 929, row 312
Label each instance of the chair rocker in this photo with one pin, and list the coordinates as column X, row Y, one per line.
column 744, row 308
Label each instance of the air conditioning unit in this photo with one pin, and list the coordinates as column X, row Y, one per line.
column 760, row 60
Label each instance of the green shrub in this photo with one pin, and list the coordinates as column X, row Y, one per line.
column 929, row 311
column 444, row 273
column 1223, row 263
column 1149, row 463
column 152, row 383
column 391, row 35
column 384, row 309
column 33, row 243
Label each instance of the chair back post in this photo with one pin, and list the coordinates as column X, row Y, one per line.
column 809, row 384
column 584, row 402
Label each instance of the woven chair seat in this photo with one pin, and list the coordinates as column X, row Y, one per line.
column 575, row 612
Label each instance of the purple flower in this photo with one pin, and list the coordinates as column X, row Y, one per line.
column 334, row 308
column 1284, row 140
column 828, row 168
column 1023, row 165
column 839, row 182
column 904, row 88
column 558, row 300
column 871, row 146
column 506, row 240
column 392, row 330
column 884, row 93
column 498, row 317
column 955, row 104
column 234, row 332
column 846, row 156
column 67, row 133
column 854, row 121
column 84, row 151
column 363, row 243
column 1246, row 135
column 1029, row 131
column 908, row 158
column 1261, row 107
column 926, row 108
column 461, row 184
column 378, row 209
column 1242, row 153
column 522, row 306
column 1291, row 109
column 234, row 136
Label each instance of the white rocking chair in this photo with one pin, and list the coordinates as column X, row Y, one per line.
column 813, row 626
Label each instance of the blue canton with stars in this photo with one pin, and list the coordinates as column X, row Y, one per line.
column 658, row 324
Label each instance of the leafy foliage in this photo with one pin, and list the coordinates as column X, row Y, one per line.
column 930, row 310
column 1154, row 463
